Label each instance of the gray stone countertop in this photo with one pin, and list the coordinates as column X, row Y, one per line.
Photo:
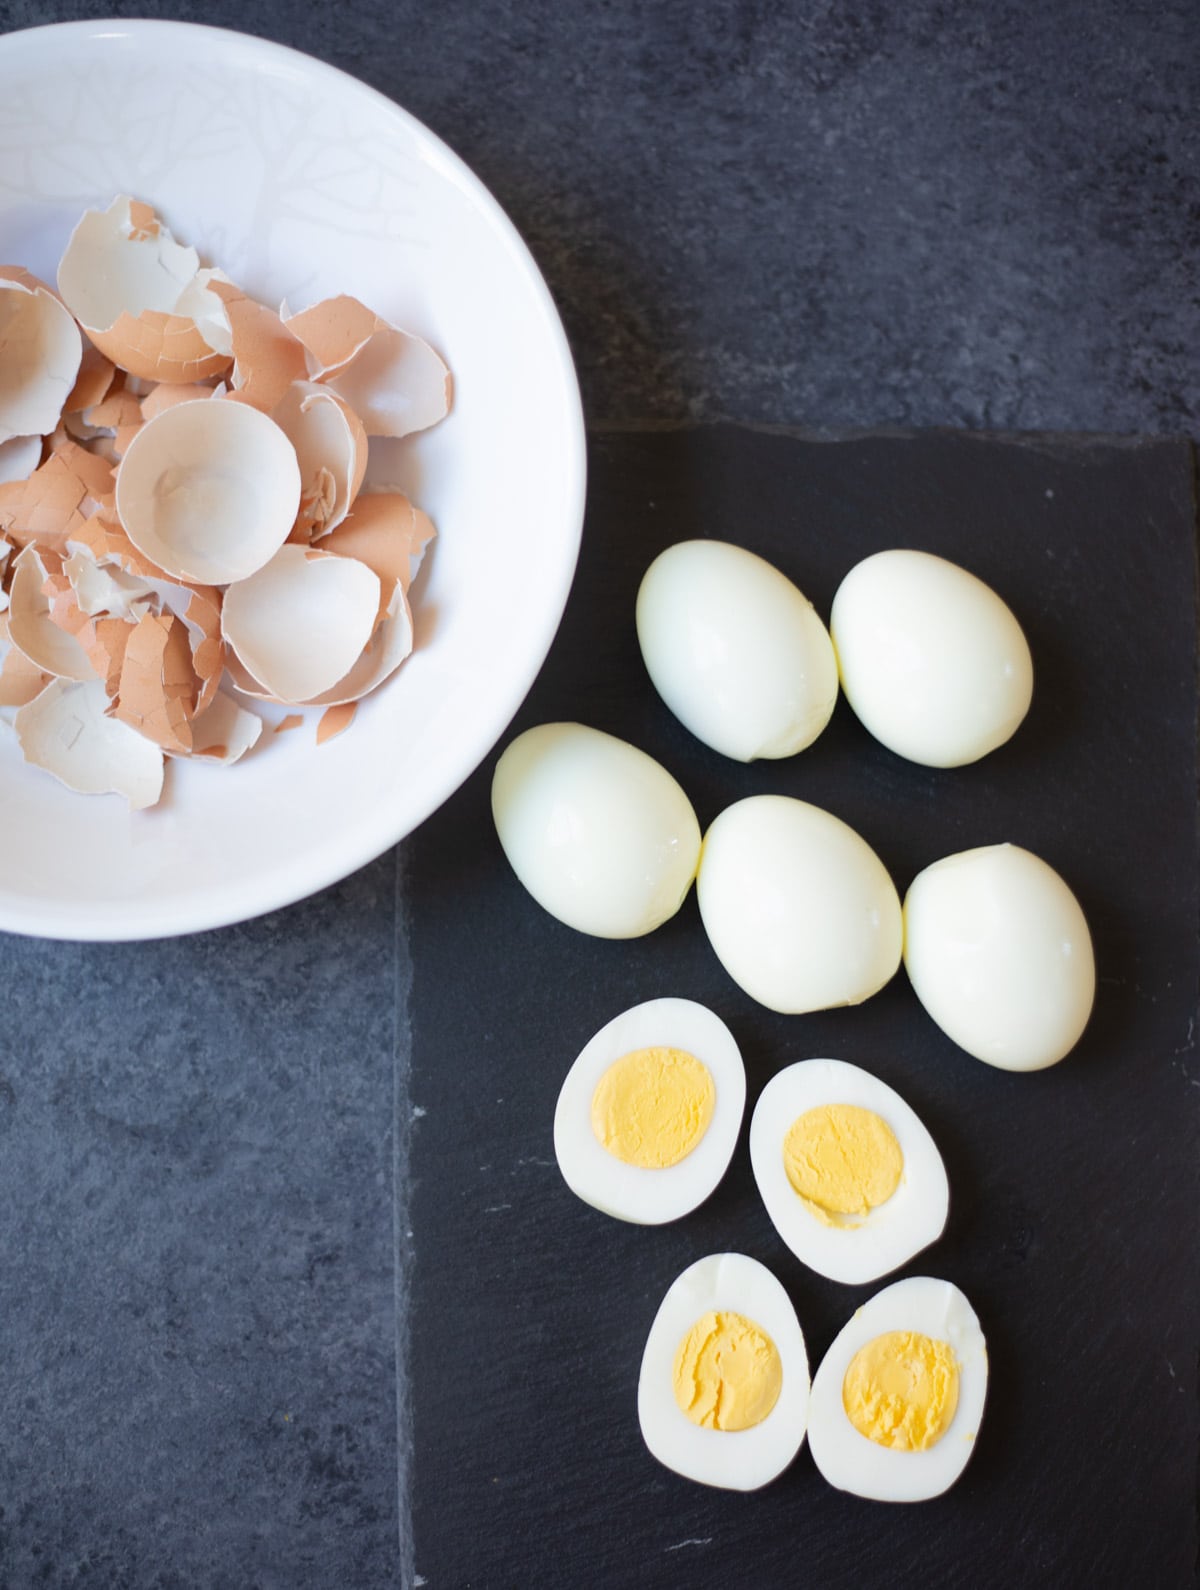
column 814, row 214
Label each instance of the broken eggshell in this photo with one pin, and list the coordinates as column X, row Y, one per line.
column 331, row 448
column 42, row 352
column 388, row 533
column 301, row 623
column 48, row 645
column 122, row 277
column 60, row 495
column 66, row 730
column 209, row 490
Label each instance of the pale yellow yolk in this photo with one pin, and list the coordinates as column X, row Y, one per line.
column 842, row 1161
column 652, row 1106
column 901, row 1390
column 728, row 1373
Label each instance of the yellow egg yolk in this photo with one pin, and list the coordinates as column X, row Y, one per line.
column 652, row 1106
column 901, row 1390
column 843, row 1161
column 728, row 1373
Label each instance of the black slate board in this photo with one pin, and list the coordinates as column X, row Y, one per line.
column 1073, row 1219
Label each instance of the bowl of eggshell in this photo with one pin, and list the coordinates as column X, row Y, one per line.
column 291, row 477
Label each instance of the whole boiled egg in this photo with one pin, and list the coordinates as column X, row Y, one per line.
column 649, row 1113
column 998, row 951
column 599, row 833
column 898, row 1399
column 849, row 1175
column 735, row 650
column 724, row 1385
column 931, row 659
column 800, row 910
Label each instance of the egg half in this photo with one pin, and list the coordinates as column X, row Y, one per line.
column 649, row 1113
column 800, row 910
column 599, row 833
column 898, row 1399
column 724, row 1387
column 932, row 660
column 735, row 650
column 998, row 951
column 849, row 1175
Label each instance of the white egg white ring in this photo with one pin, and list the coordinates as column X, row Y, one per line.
column 632, row 1192
column 889, row 1235
column 852, row 1462
column 734, row 1460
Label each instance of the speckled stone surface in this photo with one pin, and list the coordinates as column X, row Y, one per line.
column 816, row 214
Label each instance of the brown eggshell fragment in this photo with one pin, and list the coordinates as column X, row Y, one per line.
column 116, row 421
column 122, row 276
column 292, row 721
column 105, row 639
column 209, row 490
column 387, row 533
column 96, row 374
column 57, row 498
column 20, row 680
column 388, row 647
column 226, row 731
column 394, row 381
column 299, row 624
column 158, row 688
column 267, row 358
column 19, row 457
column 165, row 396
column 66, row 730
column 40, row 354
column 331, row 448
column 50, row 647
column 335, row 721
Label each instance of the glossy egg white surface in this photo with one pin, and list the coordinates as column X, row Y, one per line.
column 599, row 833
column 864, row 1247
column 851, row 1461
column 999, row 953
column 932, row 661
column 738, row 1460
column 635, row 1193
column 736, row 651
column 800, row 910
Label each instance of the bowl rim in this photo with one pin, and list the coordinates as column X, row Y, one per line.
column 344, row 852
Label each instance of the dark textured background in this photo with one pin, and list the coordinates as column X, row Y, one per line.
column 810, row 214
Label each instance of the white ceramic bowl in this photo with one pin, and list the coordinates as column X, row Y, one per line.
column 301, row 182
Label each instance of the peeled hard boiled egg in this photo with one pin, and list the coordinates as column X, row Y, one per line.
column 649, row 1113
column 598, row 832
column 898, row 1399
column 723, row 1391
column 932, row 661
column 851, row 1178
column 735, row 650
column 799, row 908
column 998, row 951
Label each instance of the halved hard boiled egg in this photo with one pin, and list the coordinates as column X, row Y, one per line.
column 898, row 1399
column 724, row 1388
column 649, row 1113
column 849, row 1175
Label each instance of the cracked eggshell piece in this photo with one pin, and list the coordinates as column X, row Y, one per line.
column 331, row 449
column 610, row 1180
column 122, row 276
column 854, row 1462
column 31, row 626
column 67, row 731
column 209, row 490
column 738, row 1460
column 387, row 533
column 225, row 731
column 394, row 381
column 267, row 358
column 384, row 652
column 20, row 680
column 57, row 499
column 302, row 621
column 853, row 1248
column 158, row 688
column 42, row 354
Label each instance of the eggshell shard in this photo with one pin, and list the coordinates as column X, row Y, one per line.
column 122, row 276
column 394, row 381
column 42, row 354
column 635, row 1193
column 51, row 647
column 863, row 1247
column 335, row 721
column 302, row 621
column 599, row 833
column 209, row 490
column 224, row 731
column 57, row 499
column 158, row 689
column 932, row 661
column 998, row 951
column 853, row 1462
column 384, row 652
column 96, row 374
column 386, row 532
column 331, row 450
column 66, row 731
column 267, row 358
column 742, row 1460
column 20, row 680
column 800, row 910
column 736, row 651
